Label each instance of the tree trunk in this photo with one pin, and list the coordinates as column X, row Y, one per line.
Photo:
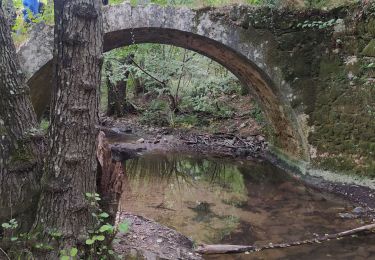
column 9, row 11
column 112, row 177
column 110, row 91
column 117, row 102
column 19, row 143
column 139, row 87
column 173, row 104
column 71, row 164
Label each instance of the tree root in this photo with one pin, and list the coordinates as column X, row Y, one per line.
column 233, row 249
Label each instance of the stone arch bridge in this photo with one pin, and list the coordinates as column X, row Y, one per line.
column 279, row 61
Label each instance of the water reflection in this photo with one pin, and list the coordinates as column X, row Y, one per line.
column 214, row 200
column 186, row 169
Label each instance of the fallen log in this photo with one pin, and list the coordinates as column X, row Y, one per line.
column 233, row 249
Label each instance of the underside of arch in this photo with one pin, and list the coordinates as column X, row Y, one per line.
column 284, row 125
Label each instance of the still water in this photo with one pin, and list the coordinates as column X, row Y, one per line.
column 216, row 200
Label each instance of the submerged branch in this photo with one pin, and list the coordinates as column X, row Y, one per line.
column 233, row 249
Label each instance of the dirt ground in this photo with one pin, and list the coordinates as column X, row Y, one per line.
column 149, row 240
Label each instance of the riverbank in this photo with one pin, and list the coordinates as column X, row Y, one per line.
column 148, row 239
column 129, row 139
column 127, row 142
column 126, row 136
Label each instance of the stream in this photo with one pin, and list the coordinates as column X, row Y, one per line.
column 231, row 201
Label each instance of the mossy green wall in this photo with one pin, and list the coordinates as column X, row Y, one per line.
column 330, row 79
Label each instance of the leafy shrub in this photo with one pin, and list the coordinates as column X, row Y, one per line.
column 187, row 120
column 156, row 114
column 257, row 114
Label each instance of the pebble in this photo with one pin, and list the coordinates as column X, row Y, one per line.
column 116, row 130
column 141, row 140
column 358, row 210
column 347, row 215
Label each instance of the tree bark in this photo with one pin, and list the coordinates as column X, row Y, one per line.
column 117, row 102
column 112, row 178
column 20, row 158
column 9, row 11
column 71, row 166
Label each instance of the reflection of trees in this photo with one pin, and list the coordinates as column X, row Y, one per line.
column 176, row 167
column 263, row 173
column 155, row 167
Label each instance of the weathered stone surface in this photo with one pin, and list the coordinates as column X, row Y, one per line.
column 320, row 107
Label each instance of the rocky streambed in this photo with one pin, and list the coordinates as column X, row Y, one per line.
column 129, row 139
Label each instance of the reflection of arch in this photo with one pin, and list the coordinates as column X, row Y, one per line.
column 233, row 47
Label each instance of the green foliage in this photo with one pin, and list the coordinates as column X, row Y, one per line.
column 21, row 28
column 257, row 114
column 123, row 227
column 104, row 234
column 370, row 65
column 156, row 114
column 97, row 244
column 44, row 124
column 196, row 83
column 12, row 224
column 188, row 121
column 66, row 254
column 115, row 2
column 328, row 3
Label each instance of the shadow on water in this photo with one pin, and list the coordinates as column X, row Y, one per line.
column 216, row 200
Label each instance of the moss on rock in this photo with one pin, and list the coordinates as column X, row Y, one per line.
column 369, row 50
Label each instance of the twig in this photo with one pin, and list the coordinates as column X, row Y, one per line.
column 161, row 206
column 148, row 74
column 6, row 255
column 240, row 139
column 233, row 249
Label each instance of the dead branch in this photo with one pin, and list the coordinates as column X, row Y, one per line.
column 6, row 255
column 232, row 249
